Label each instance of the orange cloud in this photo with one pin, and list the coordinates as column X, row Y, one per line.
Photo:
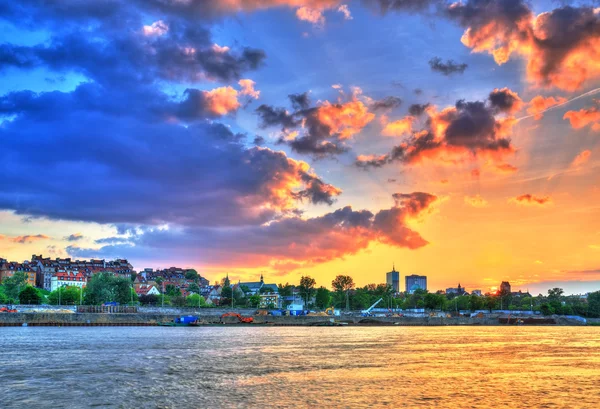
column 400, row 127
column 313, row 16
column 458, row 134
column 584, row 117
column 29, row 238
column 248, row 88
column 221, row 101
column 531, row 200
column 561, row 47
column 538, row 105
column 476, row 201
column 581, row 159
column 345, row 119
column 506, row 168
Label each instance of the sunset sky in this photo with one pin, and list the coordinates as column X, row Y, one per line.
column 458, row 140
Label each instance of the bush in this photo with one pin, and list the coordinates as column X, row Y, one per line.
column 30, row 295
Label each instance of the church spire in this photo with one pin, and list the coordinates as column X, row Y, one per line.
column 261, row 279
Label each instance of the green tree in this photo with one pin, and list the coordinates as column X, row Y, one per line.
column 13, row 285
column 104, row 287
column 178, row 300
column 323, row 298
column 307, row 287
column 476, row 302
column 285, row 290
column 342, row 284
column 68, row 295
column 194, row 288
column 195, row 300
column 3, row 297
column 133, row 276
column 546, row 309
column 594, row 304
column 149, row 299
column 490, row 302
column 361, row 299
column 254, row 301
column 172, row 291
column 30, row 295
column 192, row 274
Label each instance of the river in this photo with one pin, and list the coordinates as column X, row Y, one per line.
column 288, row 367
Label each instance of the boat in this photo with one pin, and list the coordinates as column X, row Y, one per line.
column 183, row 321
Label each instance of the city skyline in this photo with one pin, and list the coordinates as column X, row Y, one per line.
column 307, row 137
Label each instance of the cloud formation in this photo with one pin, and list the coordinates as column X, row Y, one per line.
column 581, row 159
column 29, row 238
column 294, row 239
column 457, row 134
column 561, row 47
column 74, row 237
column 324, row 129
column 584, row 117
column 531, row 200
column 476, row 201
column 538, row 105
column 446, row 68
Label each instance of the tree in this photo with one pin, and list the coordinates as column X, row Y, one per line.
column 149, row 299
column 323, row 298
column 546, row 309
column 254, row 300
column 360, row 299
column 490, row 302
column 13, row 285
column 196, row 300
column 307, row 287
column 194, row 288
column 594, row 304
column 476, row 302
column 285, row 290
column 104, row 287
column 68, row 295
column 133, row 275
column 172, row 291
column 30, row 295
column 192, row 274
column 178, row 300
column 343, row 284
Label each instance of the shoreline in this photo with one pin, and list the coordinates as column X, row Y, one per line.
column 38, row 319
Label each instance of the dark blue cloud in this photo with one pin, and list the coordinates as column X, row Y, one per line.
column 114, row 150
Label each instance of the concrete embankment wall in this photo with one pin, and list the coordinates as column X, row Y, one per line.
column 149, row 319
column 51, row 319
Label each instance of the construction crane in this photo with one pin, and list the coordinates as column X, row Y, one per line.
column 367, row 312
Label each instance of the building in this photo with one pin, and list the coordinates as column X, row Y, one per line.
column 415, row 282
column 9, row 269
column 505, row 288
column 456, row 290
column 68, row 279
column 269, row 299
column 476, row 292
column 393, row 279
column 145, row 289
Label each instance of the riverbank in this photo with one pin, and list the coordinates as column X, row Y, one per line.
column 153, row 319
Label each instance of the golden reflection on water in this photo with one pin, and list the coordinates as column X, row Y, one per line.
column 349, row 367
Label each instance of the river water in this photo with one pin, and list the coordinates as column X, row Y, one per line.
column 288, row 367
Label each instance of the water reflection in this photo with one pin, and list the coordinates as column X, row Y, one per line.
column 456, row 367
